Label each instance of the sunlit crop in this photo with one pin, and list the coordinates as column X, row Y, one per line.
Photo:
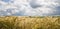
column 29, row 22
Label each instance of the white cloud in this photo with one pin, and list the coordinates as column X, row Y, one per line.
column 30, row 7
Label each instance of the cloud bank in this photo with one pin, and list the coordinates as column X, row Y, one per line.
column 29, row 7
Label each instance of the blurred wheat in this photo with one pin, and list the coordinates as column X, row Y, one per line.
column 30, row 22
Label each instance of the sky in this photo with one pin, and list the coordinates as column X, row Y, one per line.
column 29, row 7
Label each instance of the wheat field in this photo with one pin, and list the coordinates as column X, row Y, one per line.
column 29, row 22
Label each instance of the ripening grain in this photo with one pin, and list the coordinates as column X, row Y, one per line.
column 30, row 22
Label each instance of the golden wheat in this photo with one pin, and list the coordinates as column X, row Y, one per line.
column 30, row 22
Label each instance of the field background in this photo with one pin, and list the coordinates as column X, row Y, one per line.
column 29, row 22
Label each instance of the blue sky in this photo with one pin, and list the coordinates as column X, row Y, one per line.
column 5, row 0
column 30, row 7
